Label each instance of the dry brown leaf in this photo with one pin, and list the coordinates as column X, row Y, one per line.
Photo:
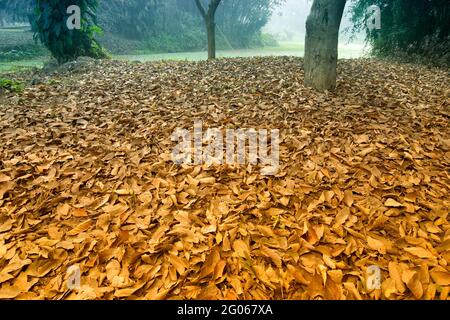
column 348, row 198
column 273, row 255
column 441, row 278
column 9, row 292
column 392, row 203
column 420, row 252
column 377, row 245
column 82, row 227
column 241, row 249
column 395, row 273
column 363, row 187
column 415, row 286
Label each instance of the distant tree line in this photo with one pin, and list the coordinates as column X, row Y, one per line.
column 415, row 28
column 239, row 23
column 15, row 10
column 409, row 27
column 171, row 25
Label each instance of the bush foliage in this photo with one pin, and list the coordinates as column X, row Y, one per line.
column 411, row 29
column 50, row 28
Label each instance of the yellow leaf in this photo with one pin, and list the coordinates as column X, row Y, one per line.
column 351, row 287
column 241, row 249
column 395, row 273
column 210, row 264
column 210, row 180
column 63, row 209
column 266, row 231
column 79, row 212
column 388, row 287
column 392, row 203
column 5, row 187
column 377, row 245
column 80, row 228
column 441, row 278
column 218, row 270
column 298, row 276
column 9, row 292
column 415, row 286
column 341, row 217
column 273, row 255
column 262, row 275
column 178, row 263
column 348, row 197
column 419, row 252
column 124, row 192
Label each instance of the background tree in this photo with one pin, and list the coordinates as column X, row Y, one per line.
column 209, row 19
column 242, row 21
column 133, row 19
column 321, row 44
column 50, row 25
column 171, row 25
column 16, row 10
column 409, row 28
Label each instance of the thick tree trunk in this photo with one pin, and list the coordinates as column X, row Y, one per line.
column 211, row 31
column 321, row 45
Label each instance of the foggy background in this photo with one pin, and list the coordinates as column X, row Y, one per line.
column 289, row 21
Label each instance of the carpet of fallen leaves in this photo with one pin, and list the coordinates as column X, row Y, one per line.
column 86, row 179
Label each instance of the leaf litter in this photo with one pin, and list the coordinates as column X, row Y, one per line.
column 86, row 179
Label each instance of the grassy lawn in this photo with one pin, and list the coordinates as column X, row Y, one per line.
column 18, row 50
column 284, row 49
column 21, row 65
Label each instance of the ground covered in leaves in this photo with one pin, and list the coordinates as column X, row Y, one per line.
column 86, row 179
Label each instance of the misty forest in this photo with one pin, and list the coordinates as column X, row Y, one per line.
column 225, row 149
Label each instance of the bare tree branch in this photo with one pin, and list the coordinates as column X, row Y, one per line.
column 200, row 8
column 213, row 6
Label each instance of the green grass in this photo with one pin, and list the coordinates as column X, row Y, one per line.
column 284, row 49
column 21, row 65
column 10, row 85
column 19, row 51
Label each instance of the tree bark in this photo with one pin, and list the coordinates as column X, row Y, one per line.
column 2, row 19
column 209, row 18
column 211, row 31
column 321, row 45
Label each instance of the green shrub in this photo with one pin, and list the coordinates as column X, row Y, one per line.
column 18, row 45
column 64, row 44
column 262, row 40
column 10, row 85
column 188, row 41
column 410, row 30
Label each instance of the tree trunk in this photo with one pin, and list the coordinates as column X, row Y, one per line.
column 211, row 31
column 209, row 18
column 2, row 19
column 321, row 45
